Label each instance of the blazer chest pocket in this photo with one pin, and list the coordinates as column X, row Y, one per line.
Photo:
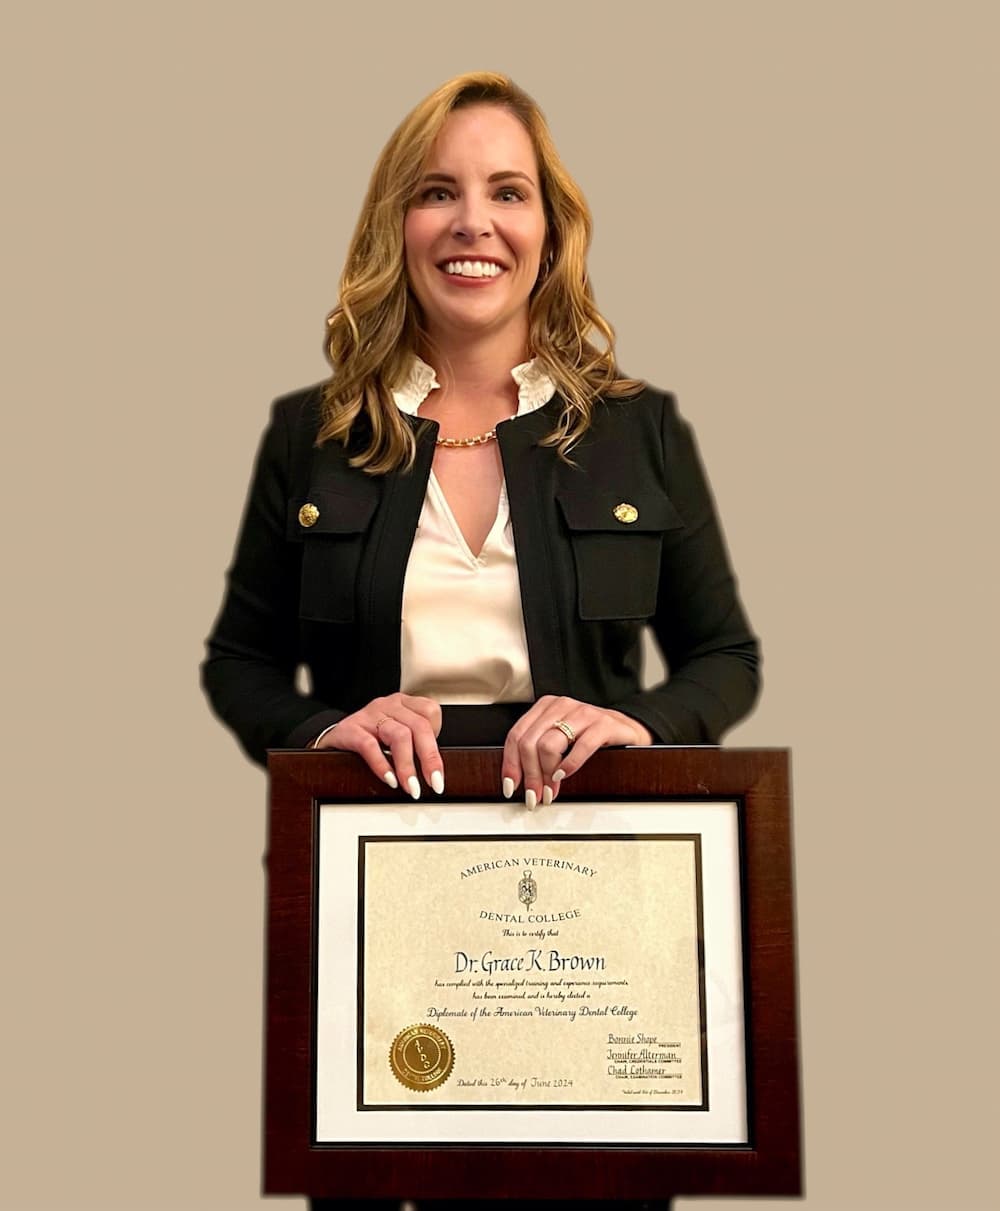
column 332, row 529
column 616, row 543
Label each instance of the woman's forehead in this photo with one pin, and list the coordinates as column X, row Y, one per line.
column 485, row 135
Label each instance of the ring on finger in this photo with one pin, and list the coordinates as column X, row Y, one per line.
column 379, row 721
column 565, row 728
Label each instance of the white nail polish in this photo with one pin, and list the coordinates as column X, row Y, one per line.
column 390, row 779
column 413, row 786
column 437, row 782
column 546, row 795
column 559, row 775
column 508, row 787
column 530, row 800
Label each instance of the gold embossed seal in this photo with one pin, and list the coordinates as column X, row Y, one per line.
column 421, row 1057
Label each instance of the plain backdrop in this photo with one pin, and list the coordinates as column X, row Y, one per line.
column 796, row 231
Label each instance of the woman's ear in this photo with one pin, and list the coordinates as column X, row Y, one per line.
column 545, row 264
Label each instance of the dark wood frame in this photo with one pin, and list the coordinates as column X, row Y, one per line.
column 757, row 779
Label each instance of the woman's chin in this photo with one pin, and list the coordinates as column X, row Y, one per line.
column 472, row 317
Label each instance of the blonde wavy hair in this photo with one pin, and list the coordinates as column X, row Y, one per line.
column 375, row 329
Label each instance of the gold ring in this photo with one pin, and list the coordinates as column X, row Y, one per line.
column 566, row 730
column 378, row 723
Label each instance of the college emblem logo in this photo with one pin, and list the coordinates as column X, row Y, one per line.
column 527, row 890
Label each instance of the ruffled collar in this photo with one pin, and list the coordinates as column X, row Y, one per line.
column 534, row 387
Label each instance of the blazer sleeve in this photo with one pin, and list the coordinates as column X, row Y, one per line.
column 252, row 653
column 712, row 655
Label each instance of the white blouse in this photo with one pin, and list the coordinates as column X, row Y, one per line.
column 463, row 639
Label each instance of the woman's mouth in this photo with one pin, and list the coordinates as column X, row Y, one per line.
column 471, row 269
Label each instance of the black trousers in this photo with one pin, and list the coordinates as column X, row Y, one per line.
column 506, row 1204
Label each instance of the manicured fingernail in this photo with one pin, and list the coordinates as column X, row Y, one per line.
column 559, row 775
column 413, row 786
column 530, row 800
column 437, row 782
column 390, row 778
column 546, row 795
column 508, row 787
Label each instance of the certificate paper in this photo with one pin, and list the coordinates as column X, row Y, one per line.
column 561, row 972
column 486, row 974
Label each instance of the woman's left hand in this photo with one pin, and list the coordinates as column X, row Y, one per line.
column 554, row 738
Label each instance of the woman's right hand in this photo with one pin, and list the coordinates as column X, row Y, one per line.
column 404, row 724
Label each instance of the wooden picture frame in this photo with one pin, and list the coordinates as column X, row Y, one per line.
column 595, row 1156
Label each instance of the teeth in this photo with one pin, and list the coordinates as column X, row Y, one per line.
column 473, row 269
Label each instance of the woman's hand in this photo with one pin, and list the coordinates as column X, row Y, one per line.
column 553, row 739
column 404, row 724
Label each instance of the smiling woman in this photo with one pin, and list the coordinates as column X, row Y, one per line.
column 463, row 533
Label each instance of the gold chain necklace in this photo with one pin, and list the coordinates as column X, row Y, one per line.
column 480, row 439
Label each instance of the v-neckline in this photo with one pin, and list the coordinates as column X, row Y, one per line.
column 499, row 520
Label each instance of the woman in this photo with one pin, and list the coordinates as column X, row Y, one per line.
column 462, row 534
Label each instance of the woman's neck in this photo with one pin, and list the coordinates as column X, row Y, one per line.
column 472, row 367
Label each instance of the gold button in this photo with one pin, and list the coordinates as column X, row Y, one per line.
column 626, row 513
column 309, row 515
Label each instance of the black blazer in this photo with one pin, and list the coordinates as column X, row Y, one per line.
column 328, row 595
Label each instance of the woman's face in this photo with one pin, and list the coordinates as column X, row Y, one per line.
column 475, row 232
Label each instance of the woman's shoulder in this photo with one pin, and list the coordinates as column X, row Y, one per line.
column 292, row 442
column 646, row 405
column 641, row 430
column 301, row 407
column 289, row 438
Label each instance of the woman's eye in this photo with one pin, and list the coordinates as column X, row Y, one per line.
column 437, row 193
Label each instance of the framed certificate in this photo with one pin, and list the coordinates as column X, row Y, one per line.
column 595, row 999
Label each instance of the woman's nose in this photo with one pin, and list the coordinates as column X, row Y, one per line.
column 471, row 218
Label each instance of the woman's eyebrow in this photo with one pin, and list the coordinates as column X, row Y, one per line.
column 494, row 176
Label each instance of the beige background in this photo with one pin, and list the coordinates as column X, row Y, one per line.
column 796, row 230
